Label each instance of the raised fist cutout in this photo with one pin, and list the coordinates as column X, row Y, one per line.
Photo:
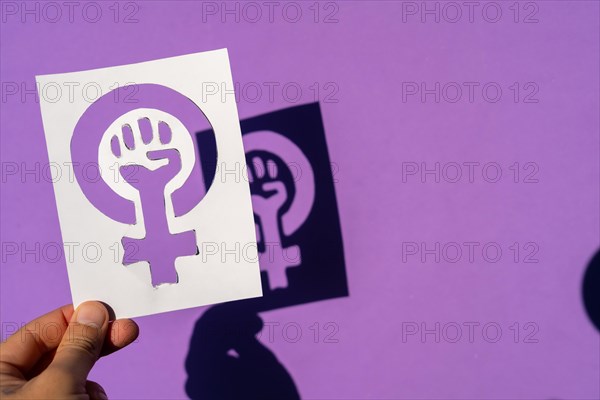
column 164, row 164
column 149, row 171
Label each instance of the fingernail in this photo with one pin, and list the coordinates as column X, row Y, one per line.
column 90, row 314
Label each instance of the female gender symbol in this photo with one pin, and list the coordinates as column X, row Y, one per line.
column 154, row 160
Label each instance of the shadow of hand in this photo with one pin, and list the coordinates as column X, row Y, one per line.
column 226, row 361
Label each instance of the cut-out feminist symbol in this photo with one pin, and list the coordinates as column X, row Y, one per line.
column 158, row 173
column 266, row 177
column 140, row 197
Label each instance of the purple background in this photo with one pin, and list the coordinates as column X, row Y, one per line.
column 370, row 133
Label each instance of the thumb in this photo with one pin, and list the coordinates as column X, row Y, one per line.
column 81, row 344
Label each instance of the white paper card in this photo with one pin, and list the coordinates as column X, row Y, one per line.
column 143, row 228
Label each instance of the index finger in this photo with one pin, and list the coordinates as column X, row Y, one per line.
column 25, row 348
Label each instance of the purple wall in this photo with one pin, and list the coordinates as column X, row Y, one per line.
column 361, row 62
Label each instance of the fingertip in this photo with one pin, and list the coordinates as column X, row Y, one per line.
column 94, row 303
column 67, row 311
column 122, row 333
column 132, row 330
column 92, row 313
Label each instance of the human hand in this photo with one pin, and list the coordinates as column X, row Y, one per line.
column 52, row 356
